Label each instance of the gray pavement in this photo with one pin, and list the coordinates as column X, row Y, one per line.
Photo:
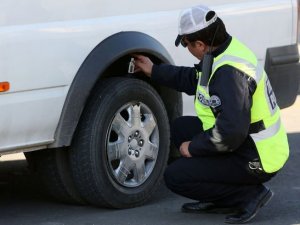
column 23, row 201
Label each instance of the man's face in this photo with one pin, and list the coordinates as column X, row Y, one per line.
column 196, row 48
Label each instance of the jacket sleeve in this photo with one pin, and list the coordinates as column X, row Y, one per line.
column 232, row 115
column 182, row 79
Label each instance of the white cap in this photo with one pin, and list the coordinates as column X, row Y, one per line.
column 192, row 20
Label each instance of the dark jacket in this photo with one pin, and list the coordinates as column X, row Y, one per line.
column 231, row 130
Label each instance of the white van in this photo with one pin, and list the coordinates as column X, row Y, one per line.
column 103, row 134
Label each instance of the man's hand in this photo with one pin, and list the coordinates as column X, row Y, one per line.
column 144, row 64
column 184, row 149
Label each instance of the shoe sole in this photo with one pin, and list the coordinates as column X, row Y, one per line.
column 211, row 211
column 267, row 199
column 264, row 202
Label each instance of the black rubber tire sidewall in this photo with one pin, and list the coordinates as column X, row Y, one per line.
column 88, row 158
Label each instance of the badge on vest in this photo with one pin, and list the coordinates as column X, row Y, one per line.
column 203, row 100
column 214, row 101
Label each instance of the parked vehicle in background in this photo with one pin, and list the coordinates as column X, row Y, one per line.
column 95, row 133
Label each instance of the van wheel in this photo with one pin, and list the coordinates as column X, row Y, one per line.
column 121, row 146
column 52, row 167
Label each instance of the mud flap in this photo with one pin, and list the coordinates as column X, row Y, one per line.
column 283, row 69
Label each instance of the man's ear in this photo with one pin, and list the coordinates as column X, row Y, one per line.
column 201, row 46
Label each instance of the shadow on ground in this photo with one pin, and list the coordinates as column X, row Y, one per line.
column 24, row 201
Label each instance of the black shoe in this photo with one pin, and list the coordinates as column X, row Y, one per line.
column 209, row 207
column 251, row 209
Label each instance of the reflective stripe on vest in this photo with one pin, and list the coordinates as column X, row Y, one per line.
column 256, row 70
column 271, row 143
column 267, row 133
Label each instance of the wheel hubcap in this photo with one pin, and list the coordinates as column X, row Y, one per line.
column 132, row 144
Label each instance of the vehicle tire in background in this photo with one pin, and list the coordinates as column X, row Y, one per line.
column 52, row 167
column 121, row 145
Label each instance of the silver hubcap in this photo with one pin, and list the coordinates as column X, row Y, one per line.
column 132, row 144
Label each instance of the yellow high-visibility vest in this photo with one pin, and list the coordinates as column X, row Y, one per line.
column 271, row 143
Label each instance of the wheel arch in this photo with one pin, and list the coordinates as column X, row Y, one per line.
column 96, row 66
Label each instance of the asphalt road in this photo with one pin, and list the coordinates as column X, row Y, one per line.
column 23, row 201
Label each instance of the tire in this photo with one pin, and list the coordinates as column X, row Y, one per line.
column 121, row 145
column 52, row 167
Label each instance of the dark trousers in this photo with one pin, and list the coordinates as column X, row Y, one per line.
column 224, row 179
